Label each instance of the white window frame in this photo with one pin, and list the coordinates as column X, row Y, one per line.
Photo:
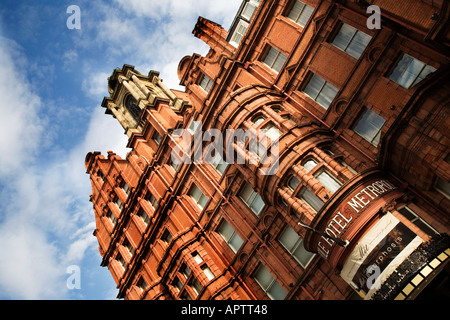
column 239, row 33
column 305, row 11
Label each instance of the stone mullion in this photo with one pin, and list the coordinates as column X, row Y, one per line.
column 314, row 185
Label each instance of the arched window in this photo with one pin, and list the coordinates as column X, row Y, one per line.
column 132, row 107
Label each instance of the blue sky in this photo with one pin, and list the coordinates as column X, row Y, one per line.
column 51, row 88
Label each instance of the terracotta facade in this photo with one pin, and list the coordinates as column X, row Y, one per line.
column 357, row 206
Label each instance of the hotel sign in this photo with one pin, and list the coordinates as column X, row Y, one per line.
column 350, row 209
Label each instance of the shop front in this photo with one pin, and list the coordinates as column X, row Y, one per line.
column 386, row 256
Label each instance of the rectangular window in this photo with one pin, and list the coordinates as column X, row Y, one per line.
column 369, row 126
column 274, row 59
column 207, row 271
column 121, row 261
column 294, row 245
column 272, row 131
column 195, row 285
column 185, row 271
column 111, row 217
column 174, row 163
column 252, row 199
column 351, row 40
column 152, row 200
column 218, row 163
column 268, row 283
column 197, row 195
column 328, row 181
column 414, row 218
column 166, row 236
column 249, row 9
column 141, row 284
column 177, row 283
column 239, row 32
column 230, row 236
column 443, row 187
column 119, row 203
column 143, row 215
column 311, row 199
column 206, row 83
column 126, row 189
column 320, row 91
column 410, row 71
column 157, row 137
column 300, row 13
column 127, row 244
column 185, row 296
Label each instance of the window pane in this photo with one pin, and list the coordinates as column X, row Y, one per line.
column 328, row 182
column 248, row 11
column 314, row 86
column 226, row 230
column 302, row 255
column 309, row 164
column 271, row 56
column 289, row 238
column 315, row 202
column 202, row 201
column 195, row 193
column 276, row 291
column 279, row 62
column 221, row 167
column 425, row 72
column 306, row 14
column 293, row 182
column 207, row 271
column 401, row 67
column 246, row 192
column 264, row 277
column 258, row 120
column 443, row 186
column 358, row 44
column 257, row 204
column 410, row 71
column 327, row 95
column 272, row 132
column 344, row 36
column 236, row 242
column 369, row 126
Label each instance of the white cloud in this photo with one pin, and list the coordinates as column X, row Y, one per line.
column 154, row 34
column 20, row 126
column 95, row 85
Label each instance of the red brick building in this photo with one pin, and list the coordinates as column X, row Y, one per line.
column 358, row 120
